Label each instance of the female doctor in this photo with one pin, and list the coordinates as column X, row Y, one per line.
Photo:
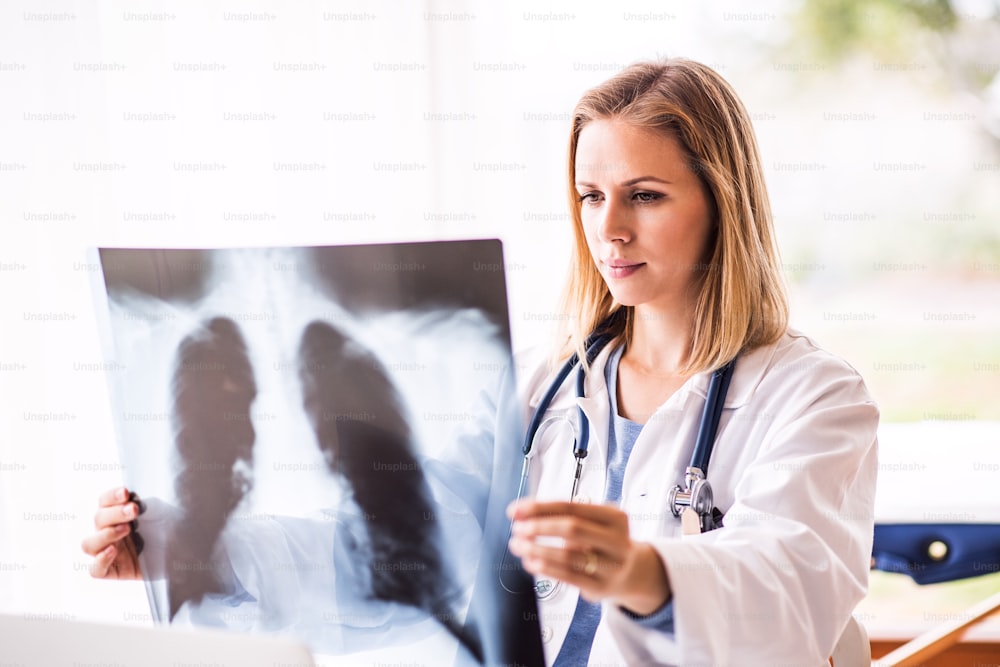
column 675, row 256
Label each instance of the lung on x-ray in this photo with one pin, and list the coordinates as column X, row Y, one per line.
column 318, row 436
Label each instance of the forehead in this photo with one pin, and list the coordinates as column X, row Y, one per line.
column 619, row 150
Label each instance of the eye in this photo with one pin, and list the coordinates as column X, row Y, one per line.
column 590, row 198
column 646, row 197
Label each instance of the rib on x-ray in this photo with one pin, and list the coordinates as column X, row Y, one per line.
column 213, row 389
column 312, row 430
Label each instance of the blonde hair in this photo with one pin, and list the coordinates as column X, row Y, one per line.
column 741, row 303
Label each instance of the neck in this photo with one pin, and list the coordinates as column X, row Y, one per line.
column 661, row 340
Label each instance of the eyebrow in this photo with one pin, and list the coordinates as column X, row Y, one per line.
column 630, row 182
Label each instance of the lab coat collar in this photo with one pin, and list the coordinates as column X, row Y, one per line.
column 750, row 369
column 595, row 386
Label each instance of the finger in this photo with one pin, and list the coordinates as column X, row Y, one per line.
column 102, row 562
column 95, row 544
column 115, row 496
column 594, row 583
column 562, row 559
column 115, row 514
column 527, row 508
column 575, row 532
column 548, row 559
column 574, row 567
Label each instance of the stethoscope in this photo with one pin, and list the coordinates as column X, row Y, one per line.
column 696, row 492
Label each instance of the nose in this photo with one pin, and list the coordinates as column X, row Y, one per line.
column 614, row 222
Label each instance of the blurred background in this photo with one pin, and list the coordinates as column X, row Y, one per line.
column 209, row 124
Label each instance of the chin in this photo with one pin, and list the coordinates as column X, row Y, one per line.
column 627, row 300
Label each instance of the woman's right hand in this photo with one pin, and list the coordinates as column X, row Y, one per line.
column 111, row 545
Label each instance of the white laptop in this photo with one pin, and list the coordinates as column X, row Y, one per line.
column 31, row 640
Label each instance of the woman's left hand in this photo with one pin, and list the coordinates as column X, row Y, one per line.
column 592, row 551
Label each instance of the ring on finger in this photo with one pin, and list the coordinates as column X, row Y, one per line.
column 590, row 566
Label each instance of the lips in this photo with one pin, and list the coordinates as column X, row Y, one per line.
column 620, row 268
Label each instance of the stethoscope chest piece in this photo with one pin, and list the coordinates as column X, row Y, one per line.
column 546, row 588
column 696, row 497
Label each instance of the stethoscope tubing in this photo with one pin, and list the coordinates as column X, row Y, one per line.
column 708, row 425
column 595, row 343
column 718, row 387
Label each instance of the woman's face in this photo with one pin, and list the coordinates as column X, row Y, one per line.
column 645, row 214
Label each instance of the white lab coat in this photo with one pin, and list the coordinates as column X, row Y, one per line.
column 794, row 470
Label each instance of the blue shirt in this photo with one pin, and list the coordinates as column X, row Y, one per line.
column 622, row 435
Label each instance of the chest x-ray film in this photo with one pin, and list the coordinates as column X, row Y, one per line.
column 311, row 431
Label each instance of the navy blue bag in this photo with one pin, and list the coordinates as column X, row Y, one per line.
column 935, row 552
